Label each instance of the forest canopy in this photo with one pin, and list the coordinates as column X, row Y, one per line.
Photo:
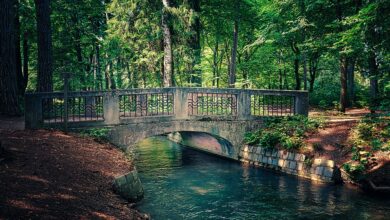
column 338, row 50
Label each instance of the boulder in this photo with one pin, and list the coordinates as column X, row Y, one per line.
column 129, row 187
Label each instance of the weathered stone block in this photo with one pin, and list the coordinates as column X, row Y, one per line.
column 280, row 154
column 319, row 162
column 265, row 159
column 268, row 153
column 328, row 172
column 291, row 156
column 258, row 150
column 330, row 163
column 129, row 186
column 275, row 161
column 319, row 170
column 269, row 160
column 274, row 153
column 285, row 155
column 292, row 165
column 281, row 162
column 246, row 148
column 260, row 158
column 299, row 166
column 303, row 157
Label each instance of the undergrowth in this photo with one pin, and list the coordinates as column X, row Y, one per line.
column 99, row 134
column 371, row 137
column 283, row 132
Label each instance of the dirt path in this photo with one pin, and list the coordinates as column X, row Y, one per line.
column 52, row 175
column 330, row 142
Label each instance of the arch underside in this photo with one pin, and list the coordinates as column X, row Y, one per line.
column 218, row 137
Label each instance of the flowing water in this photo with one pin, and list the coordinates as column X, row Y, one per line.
column 181, row 183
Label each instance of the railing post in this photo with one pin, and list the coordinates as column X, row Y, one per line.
column 180, row 103
column 302, row 104
column 111, row 108
column 33, row 111
column 244, row 105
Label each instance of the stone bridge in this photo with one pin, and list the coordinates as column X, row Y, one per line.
column 221, row 117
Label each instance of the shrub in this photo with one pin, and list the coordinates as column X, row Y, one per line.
column 270, row 139
column 251, row 138
column 99, row 134
column 366, row 131
column 286, row 132
column 292, row 143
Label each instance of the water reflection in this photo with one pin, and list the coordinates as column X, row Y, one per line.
column 181, row 183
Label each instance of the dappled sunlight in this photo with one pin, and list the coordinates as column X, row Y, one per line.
column 200, row 190
column 35, row 178
column 60, row 172
column 20, row 204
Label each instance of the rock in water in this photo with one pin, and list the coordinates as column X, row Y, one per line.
column 129, row 187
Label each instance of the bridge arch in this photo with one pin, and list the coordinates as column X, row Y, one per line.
column 229, row 134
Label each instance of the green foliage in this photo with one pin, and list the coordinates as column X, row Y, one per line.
column 356, row 171
column 368, row 137
column 285, row 132
column 269, row 139
column 119, row 44
column 366, row 131
column 100, row 134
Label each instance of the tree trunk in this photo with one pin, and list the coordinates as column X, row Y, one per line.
column 351, row 82
column 304, row 73
column 313, row 64
column 196, row 76
column 373, row 70
column 343, row 82
column 297, row 52
column 19, row 75
column 45, row 57
column 215, row 62
column 108, row 75
column 296, row 73
column 9, row 103
column 232, row 73
column 98, row 73
column 25, row 60
column 168, row 57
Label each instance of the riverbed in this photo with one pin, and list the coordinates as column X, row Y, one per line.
column 182, row 183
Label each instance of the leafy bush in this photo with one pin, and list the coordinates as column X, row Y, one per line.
column 269, row 139
column 292, row 143
column 100, row 134
column 286, row 132
column 366, row 131
column 356, row 170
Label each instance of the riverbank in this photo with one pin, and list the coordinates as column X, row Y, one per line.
column 50, row 174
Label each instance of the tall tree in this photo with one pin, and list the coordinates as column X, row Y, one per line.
column 45, row 57
column 167, row 35
column 196, row 77
column 232, row 73
column 8, row 67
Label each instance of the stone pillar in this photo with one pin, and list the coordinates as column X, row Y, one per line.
column 302, row 104
column 111, row 108
column 180, row 103
column 33, row 111
column 244, row 105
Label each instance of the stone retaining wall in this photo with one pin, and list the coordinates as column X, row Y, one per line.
column 291, row 163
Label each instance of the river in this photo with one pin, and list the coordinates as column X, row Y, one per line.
column 182, row 183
